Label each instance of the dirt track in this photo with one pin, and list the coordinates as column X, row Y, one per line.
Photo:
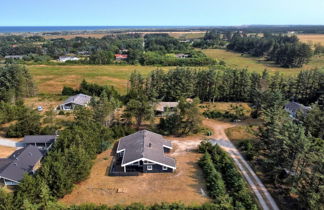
column 219, row 137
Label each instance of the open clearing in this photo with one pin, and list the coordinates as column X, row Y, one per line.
column 235, row 60
column 186, row 185
column 52, row 78
column 311, row 38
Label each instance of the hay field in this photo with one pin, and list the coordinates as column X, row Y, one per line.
column 311, row 38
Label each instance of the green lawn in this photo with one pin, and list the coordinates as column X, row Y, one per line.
column 235, row 60
column 52, row 78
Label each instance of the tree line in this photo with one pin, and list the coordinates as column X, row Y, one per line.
column 284, row 50
column 216, row 84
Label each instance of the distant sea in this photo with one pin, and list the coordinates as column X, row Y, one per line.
column 31, row 29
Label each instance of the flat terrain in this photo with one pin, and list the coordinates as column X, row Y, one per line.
column 235, row 60
column 48, row 104
column 312, row 38
column 52, row 78
column 176, row 34
column 6, row 151
column 186, row 185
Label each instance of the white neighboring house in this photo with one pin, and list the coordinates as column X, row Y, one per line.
column 74, row 101
column 293, row 108
column 14, row 57
column 181, row 55
column 68, row 58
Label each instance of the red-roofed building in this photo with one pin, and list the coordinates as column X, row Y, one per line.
column 120, row 57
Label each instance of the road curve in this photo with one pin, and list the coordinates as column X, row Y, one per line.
column 219, row 137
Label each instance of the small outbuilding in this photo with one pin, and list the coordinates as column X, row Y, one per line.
column 68, row 58
column 121, row 57
column 75, row 101
column 182, row 55
column 164, row 107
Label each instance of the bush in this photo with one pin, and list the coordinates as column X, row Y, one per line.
column 68, row 91
column 247, row 147
column 213, row 114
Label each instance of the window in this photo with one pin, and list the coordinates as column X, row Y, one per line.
column 149, row 167
column 164, row 168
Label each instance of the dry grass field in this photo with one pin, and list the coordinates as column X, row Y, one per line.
column 71, row 36
column 235, row 60
column 186, row 185
column 52, row 78
column 176, row 34
column 188, row 35
column 312, row 38
column 6, row 151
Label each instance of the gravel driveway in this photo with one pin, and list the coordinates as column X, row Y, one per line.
column 219, row 137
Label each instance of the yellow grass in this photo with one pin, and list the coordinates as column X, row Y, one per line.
column 312, row 38
column 52, row 78
column 71, row 36
column 182, row 186
column 187, row 35
column 235, row 60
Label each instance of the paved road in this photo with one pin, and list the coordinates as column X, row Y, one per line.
column 219, row 137
column 9, row 143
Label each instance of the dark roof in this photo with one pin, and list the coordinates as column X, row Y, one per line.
column 80, row 99
column 39, row 139
column 4, row 162
column 145, row 144
column 295, row 107
column 20, row 162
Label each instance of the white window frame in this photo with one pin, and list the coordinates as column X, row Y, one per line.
column 164, row 168
column 149, row 167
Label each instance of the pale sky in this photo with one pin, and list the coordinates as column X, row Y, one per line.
column 160, row 12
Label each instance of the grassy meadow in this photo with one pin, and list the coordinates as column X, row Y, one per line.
column 51, row 78
column 256, row 64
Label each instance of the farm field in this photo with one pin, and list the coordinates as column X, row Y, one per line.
column 312, row 38
column 52, row 78
column 235, row 60
column 186, row 185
